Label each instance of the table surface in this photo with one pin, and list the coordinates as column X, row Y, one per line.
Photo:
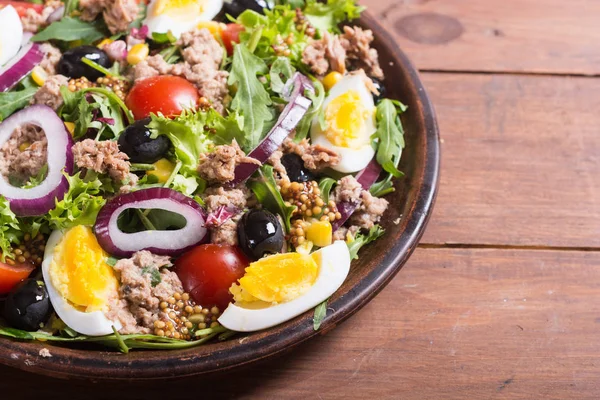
column 502, row 297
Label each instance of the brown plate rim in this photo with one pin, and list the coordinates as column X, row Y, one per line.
column 114, row 366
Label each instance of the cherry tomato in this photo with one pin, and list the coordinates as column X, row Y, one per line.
column 208, row 271
column 22, row 7
column 166, row 94
column 12, row 275
column 231, row 35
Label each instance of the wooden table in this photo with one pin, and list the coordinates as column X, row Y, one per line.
column 502, row 298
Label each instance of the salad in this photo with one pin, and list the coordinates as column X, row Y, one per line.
column 178, row 171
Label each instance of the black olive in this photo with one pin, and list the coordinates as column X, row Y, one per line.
column 380, row 88
column 135, row 141
column 27, row 306
column 259, row 233
column 236, row 7
column 295, row 169
column 71, row 65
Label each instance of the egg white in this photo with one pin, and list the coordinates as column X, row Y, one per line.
column 351, row 159
column 164, row 23
column 11, row 33
column 87, row 323
column 333, row 270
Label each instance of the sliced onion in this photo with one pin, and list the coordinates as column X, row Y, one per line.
column 221, row 215
column 170, row 243
column 367, row 177
column 57, row 14
column 291, row 116
column 40, row 199
column 20, row 66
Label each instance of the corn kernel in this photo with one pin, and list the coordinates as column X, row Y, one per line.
column 39, row 75
column 138, row 53
column 215, row 28
column 163, row 170
column 320, row 233
column 24, row 146
column 331, row 79
column 70, row 127
column 105, row 42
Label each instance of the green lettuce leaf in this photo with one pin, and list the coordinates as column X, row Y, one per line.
column 266, row 191
column 327, row 16
column 10, row 231
column 252, row 100
column 70, row 28
column 361, row 240
column 13, row 101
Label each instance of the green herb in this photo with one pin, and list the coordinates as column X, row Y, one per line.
column 70, row 6
column 361, row 240
column 320, row 314
column 327, row 16
column 100, row 68
column 171, row 54
column 137, row 341
column 37, row 179
column 71, row 28
column 281, row 71
column 252, row 100
column 162, row 38
column 145, row 221
column 112, row 261
column 142, row 167
column 13, row 101
column 266, row 191
column 325, row 186
column 390, row 135
column 317, row 97
column 120, row 342
column 154, row 273
column 10, row 231
column 81, row 204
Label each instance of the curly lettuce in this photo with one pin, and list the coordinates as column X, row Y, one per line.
column 10, row 231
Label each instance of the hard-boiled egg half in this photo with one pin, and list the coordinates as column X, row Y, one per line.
column 80, row 284
column 179, row 16
column 278, row 288
column 346, row 123
column 11, row 33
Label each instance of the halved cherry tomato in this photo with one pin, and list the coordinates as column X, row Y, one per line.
column 22, row 7
column 208, row 271
column 166, row 94
column 231, row 35
column 12, row 275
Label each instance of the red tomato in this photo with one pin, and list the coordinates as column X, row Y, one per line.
column 166, row 94
column 208, row 271
column 22, row 7
column 11, row 275
column 231, row 35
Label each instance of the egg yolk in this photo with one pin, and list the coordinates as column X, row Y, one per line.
column 179, row 7
column 345, row 117
column 276, row 279
column 79, row 271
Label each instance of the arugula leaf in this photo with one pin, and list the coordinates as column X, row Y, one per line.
column 325, row 186
column 390, row 135
column 13, row 101
column 162, row 38
column 70, row 28
column 327, row 16
column 10, row 231
column 320, row 314
column 252, row 100
column 317, row 97
column 266, row 191
column 281, row 71
column 154, row 273
column 80, row 206
column 361, row 240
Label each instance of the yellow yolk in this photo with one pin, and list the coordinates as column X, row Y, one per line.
column 179, row 7
column 345, row 117
column 79, row 271
column 276, row 279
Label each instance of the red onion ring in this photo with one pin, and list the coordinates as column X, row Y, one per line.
column 291, row 116
column 40, row 199
column 20, row 66
column 118, row 243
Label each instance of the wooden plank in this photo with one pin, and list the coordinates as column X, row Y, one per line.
column 543, row 36
column 455, row 323
column 520, row 160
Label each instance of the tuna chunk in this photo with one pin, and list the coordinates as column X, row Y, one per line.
column 326, row 54
column 357, row 43
column 33, row 21
column 219, row 166
column 315, row 157
column 49, row 94
column 103, row 157
column 118, row 14
column 24, row 154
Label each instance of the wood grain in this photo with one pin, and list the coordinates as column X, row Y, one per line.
column 455, row 323
column 542, row 36
column 520, row 160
